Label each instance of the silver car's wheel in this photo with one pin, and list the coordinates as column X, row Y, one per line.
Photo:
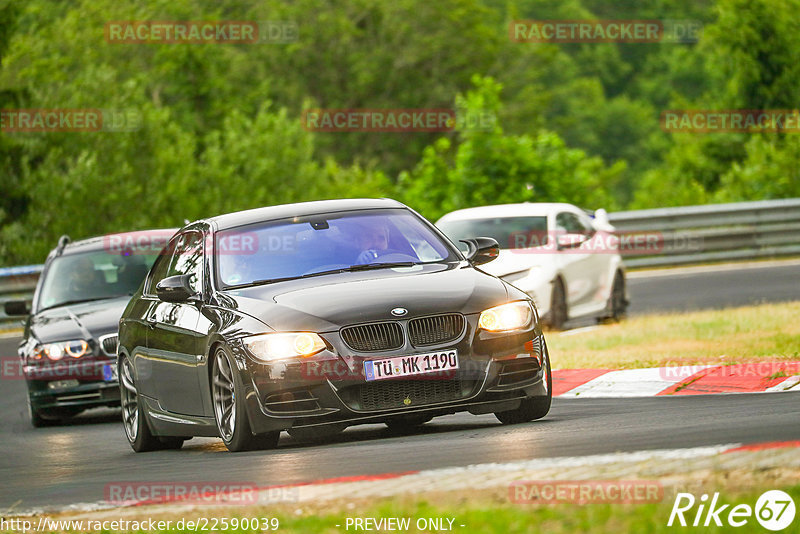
column 130, row 401
column 224, row 393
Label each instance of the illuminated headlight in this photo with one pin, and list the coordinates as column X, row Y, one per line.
column 58, row 351
column 284, row 345
column 507, row 317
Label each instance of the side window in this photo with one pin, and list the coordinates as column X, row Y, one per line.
column 571, row 224
column 159, row 270
column 188, row 258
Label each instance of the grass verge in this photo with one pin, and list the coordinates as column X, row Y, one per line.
column 734, row 335
column 491, row 512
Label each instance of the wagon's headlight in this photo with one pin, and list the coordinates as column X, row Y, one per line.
column 59, row 351
column 284, row 345
column 507, row 317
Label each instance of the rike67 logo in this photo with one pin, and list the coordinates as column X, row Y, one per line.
column 774, row 510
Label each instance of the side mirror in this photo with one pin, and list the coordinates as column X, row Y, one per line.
column 16, row 307
column 571, row 240
column 175, row 288
column 481, row 250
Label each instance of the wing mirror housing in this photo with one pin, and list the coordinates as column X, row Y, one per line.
column 481, row 250
column 176, row 289
column 16, row 308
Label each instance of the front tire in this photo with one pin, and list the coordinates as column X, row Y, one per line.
column 558, row 306
column 617, row 305
column 230, row 413
column 531, row 408
column 38, row 420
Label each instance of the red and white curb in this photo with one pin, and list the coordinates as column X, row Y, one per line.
column 659, row 464
column 756, row 377
column 652, row 464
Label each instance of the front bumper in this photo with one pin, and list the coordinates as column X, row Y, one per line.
column 496, row 371
column 73, row 385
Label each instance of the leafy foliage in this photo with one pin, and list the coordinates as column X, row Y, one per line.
column 221, row 129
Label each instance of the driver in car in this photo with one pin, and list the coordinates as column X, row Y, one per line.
column 371, row 240
column 82, row 277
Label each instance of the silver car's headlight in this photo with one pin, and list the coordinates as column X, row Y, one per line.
column 283, row 345
column 507, row 317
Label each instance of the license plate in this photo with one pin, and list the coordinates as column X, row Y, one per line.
column 109, row 373
column 416, row 364
column 62, row 384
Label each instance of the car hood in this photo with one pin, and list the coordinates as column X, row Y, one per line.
column 78, row 321
column 513, row 261
column 329, row 302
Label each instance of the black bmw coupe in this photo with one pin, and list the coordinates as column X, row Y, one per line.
column 316, row 316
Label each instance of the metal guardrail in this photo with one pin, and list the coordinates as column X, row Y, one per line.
column 685, row 235
column 715, row 232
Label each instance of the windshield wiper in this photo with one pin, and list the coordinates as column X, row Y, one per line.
column 352, row 268
column 371, row 266
column 74, row 301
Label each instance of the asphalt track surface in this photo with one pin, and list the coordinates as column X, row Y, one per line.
column 54, row 467
column 680, row 290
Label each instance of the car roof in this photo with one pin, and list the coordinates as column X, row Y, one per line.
column 526, row 209
column 91, row 244
column 300, row 209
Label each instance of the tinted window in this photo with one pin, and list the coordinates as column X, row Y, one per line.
column 571, row 224
column 188, row 258
column 159, row 271
column 292, row 248
column 91, row 276
column 509, row 232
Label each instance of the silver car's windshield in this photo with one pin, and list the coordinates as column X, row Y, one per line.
column 509, row 232
column 289, row 249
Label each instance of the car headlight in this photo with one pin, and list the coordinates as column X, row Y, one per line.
column 284, row 345
column 506, row 317
column 58, row 351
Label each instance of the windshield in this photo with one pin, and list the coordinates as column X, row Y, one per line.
column 92, row 276
column 509, row 232
column 294, row 248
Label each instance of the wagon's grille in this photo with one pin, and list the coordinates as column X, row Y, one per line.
column 436, row 329
column 518, row 371
column 109, row 344
column 373, row 337
column 391, row 394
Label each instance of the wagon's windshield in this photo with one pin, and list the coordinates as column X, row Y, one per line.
column 96, row 275
column 311, row 246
